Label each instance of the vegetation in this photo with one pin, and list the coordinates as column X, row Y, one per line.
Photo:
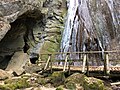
column 15, row 84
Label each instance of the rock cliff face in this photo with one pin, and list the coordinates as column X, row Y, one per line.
column 11, row 10
column 31, row 26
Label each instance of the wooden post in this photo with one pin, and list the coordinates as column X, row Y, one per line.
column 106, row 64
column 87, row 63
column 51, row 64
column 69, row 67
column 47, row 62
column 84, row 63
column 65, row 63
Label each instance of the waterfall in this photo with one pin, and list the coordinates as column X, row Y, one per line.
column 91, row 25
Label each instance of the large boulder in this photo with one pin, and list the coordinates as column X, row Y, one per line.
column 79, row 81
column 74, row 81
column 18, row 62
column 91, row 83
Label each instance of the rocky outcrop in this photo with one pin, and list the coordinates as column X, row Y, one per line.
column 4, row 27
column 13, row 21
column 11, row 10
column 54, row 26
column 31, row 26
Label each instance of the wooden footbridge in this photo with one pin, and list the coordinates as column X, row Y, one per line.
column 108, row 67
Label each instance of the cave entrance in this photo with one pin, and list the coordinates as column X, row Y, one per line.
column 20, row 37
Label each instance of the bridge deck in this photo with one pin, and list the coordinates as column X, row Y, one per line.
column 93, row 70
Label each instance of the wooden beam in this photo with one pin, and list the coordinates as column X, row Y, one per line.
column 115, row 83
column 65, row 63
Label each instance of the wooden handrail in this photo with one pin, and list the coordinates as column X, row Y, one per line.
column 86, row 52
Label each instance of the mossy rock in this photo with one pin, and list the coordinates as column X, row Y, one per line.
column 48, row 47
column 73, row 80
column 76, row 78
column 57, row 78
column 61, row 87
column 15, row 84
column 70, row 85
column 43, row 81
column 91, row 83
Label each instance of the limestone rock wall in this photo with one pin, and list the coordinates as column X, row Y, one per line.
column 31, row 26
column 10, row 10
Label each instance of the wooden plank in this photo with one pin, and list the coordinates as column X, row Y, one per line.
column 65, row 63
column 115, row 83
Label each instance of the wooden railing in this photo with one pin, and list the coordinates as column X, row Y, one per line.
column 85, row 60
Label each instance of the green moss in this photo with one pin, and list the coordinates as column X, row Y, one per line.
column 15, row 84
column 3, row 87
column 57, row 78
column 76, row 78
column 70, row 85
column 64, row 12
column 50, row 46
column 59, row 88
column 71, row 81
column 90, row 83
column 43, row 81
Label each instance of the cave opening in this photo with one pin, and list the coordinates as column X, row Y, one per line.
column 20, row 37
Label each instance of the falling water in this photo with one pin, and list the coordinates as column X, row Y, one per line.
column 91, row 25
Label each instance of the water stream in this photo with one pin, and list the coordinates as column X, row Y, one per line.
column 91, row 25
